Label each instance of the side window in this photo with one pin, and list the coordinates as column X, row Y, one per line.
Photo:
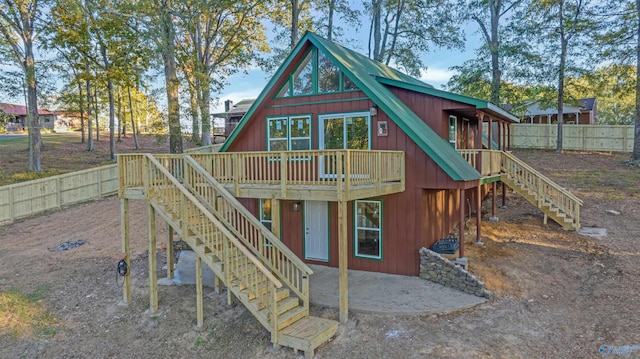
column 368, row 229
column 453, row 131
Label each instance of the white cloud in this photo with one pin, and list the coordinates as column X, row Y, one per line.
column 436, row 76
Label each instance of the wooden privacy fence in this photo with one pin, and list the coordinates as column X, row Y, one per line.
column 24, row 199
column 616, row 138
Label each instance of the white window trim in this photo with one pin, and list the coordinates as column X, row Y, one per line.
column 288, row 139
column 322, row 118
column 356, row 227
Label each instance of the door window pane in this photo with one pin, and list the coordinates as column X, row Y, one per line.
column 334, row 133
column 357, row 133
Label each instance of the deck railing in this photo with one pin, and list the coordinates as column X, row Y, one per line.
column 195, row 219
column 260, row 240
column 490, row 159
column 547, row 191
column 320, row 168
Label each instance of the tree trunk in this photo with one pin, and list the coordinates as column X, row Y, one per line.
column 375, row 30
column 295, row 13
column 81, row 106
column 32, row 99
column 95, row 114
column 112, row 121
column 332, row 5
column 172, row 82
column 119, row 116
column 561, row 69
column 193, row 102
column 206, row 117
column 635, row 156
column 494, row 51
column 90, row 145
column 134, row 129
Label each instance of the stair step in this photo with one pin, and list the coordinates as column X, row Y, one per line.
column 307, row 334
column 283, row 306
column 281, row 294
column 291, row 316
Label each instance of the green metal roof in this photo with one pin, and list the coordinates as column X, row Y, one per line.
column 371, row 76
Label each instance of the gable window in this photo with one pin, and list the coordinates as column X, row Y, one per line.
column 289, row 133
column 328, row 75
column 316, row 74
column 303, row 77
column 453, row 131
column 345, row 131
column 368, row 229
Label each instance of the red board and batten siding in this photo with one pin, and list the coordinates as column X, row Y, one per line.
column 424, row 213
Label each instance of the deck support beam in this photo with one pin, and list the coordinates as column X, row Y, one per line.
column 494, row 195
column 199, row 292
column 479, row 215
column 153, row 280
column 343, row 262
column 275, row 217
column 461, row 226
column 170, row 253
column 124, row 230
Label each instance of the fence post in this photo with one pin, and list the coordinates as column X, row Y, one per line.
column 379, row 170
column 59, row 192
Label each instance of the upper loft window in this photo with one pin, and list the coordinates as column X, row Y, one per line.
column 316, row 74
column 303, row 77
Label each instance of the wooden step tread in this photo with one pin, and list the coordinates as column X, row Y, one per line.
column 307, row 334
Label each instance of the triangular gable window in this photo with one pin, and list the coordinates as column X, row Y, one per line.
column 316, row 74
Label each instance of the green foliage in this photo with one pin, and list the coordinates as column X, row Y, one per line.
column 402, row 31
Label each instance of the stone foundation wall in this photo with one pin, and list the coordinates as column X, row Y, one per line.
column 440, row 270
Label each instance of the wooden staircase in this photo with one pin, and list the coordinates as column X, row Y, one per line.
column 262, row 273
column 555, row 202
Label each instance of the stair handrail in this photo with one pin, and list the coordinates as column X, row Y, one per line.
column 231, row 247
column 187, row 195
column 269, row 255
column 541, row 176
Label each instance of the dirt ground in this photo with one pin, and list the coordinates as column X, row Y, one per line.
column 558, row 294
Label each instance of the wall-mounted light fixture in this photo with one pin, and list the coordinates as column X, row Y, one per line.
column 296, row 206
column 373, row 110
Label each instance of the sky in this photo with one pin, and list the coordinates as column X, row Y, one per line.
column 244, row 86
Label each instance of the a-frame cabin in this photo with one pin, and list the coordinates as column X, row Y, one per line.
column 341, row 161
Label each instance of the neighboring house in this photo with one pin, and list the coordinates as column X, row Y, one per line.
column 17, row 117
column 328, row 97
column 584, row 114
column 233, row 114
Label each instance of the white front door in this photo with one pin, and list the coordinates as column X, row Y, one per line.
column 316, row 230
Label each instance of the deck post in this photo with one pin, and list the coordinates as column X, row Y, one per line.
column 504, row 195
column 343, row 262
column 124, row 229
column 479, row 215
column 170, row 253
column 461, row 226
column 153, row 280
column 275, row 217
column 199, row 292
column 494, row 197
